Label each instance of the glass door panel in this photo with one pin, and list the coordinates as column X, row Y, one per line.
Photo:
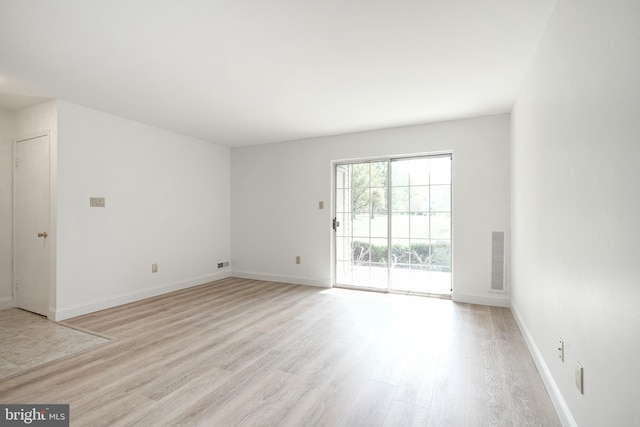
column 362, row 236
column 421, row 193
column 342, row 219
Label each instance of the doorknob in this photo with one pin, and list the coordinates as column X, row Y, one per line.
column 43, row 234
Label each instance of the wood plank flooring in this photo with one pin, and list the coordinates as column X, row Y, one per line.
column 245, row 352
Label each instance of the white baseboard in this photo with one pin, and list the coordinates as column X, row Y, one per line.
column 90, row 307
column 498, row 300
column 566, row 418
column 6, row 302
column 282, row 278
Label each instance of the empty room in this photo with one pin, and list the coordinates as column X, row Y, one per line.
column 337, row 213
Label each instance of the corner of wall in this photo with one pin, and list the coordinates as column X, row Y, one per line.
column 7, row 133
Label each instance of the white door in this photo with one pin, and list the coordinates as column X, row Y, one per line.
column 32, row 224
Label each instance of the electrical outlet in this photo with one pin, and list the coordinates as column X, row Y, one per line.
column 220, row 264
column 154, row 268
column 579, row 377
column 320, row 205
column 561, row 349
column 297, row 260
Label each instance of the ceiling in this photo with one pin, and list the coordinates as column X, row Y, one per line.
column 244, row 72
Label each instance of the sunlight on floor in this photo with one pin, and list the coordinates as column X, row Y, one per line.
column 402, row 280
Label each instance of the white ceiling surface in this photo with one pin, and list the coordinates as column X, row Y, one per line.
column 243, row 72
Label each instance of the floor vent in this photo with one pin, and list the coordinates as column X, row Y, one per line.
column 497, row 261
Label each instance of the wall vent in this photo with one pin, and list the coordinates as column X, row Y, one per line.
column 497, row 261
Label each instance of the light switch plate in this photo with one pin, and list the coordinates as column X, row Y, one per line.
column 96, row 202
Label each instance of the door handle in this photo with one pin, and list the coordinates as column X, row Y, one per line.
column 43, row 234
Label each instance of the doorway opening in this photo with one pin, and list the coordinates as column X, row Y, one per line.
column 393, row 225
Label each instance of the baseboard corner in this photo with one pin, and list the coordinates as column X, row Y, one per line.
column 497, row 300
column 560, row 405
column 6, row 302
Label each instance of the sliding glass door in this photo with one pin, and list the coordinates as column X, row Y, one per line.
column 393, row 224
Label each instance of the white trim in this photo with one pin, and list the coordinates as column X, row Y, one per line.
column 101, row 304
column 354, row 160
column 32, row 135
column 482, row 299
column 282, row 279
column 6, row 302
column 566, row 418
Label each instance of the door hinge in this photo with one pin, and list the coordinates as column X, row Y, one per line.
column 16, row 162
column 336, row 224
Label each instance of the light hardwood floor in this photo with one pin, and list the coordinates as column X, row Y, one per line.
column 245, row 352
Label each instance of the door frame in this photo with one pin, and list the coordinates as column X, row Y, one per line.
column 52, row 233
column 389, row 159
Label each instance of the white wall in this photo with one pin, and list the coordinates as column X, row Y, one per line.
column 575, row 209
column 6, row 209
column 276, row 188
column 41, row 117
column 167, row 202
